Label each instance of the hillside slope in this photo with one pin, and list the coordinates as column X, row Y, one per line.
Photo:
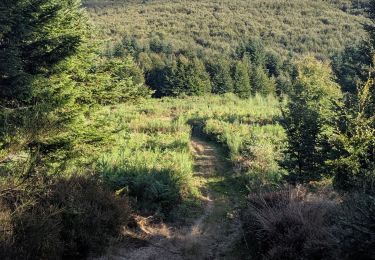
column 216, row 26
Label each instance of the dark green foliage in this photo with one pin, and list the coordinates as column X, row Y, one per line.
column 157, row 80
column 187, row 77
column 39, row 66
column 254, row 49
column 262, row 66
column 48, row 75
column 153, row 191
column 354, row 63
column 355, row 166
column 128, row 46
column 286, row 77
column 261, row 83
column 241, row 80
column 166, row 72
column 219, row 70
column 29, row 46
column 357, row 226
column 274, row 64
column 118, row 80
column 61, row 219
column 283, row 85
column 156, row 69
column 308, row 120
column 351, row 66
column 370, row 28
column 303, row 159
column 172, row 72
column 158, row 46
column 181, row 76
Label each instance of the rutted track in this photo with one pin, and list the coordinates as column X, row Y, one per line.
column 211, row 235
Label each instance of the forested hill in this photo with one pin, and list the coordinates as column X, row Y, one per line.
column 259, row 141
column 213, row 26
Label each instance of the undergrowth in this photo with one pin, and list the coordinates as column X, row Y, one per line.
column 146, row 153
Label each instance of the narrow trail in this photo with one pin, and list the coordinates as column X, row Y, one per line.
column 210, row 236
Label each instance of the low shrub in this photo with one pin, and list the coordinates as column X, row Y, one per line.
column 63, row 218
column 295, row 224
column 357, row 223
column 286, row 225
column 152, row 190
column 29, row 228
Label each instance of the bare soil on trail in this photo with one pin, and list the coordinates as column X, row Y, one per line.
column 210, row 236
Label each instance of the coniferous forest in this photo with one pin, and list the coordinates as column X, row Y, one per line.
column 187, row 129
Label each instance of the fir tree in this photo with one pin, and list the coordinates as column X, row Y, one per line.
column 187, row 77
column 198, row 81
column 354, row 168
column 254, row 49
column 120, row 80
column 241, row 80
column 308, row 120
column 261, row 82
column 40, row 42
column 273, row 64
column 351, row 66
column 219, row 70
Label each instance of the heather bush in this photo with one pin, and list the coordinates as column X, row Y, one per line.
column 62, row 218
column 296, row 224
column 289, row 225
column 357, row 225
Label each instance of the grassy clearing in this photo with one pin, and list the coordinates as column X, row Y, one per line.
column 149, row 159
column 250, row 131
column 146, row 152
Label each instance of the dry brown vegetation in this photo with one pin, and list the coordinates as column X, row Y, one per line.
column 294, row 223
column 66, row 218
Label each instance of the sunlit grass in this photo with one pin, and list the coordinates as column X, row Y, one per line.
column 146, row 154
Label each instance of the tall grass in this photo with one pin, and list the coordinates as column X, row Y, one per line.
column 249, row 129
column 150, row 161
column 145, row 151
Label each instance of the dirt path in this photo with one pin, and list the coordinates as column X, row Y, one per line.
column 211, row 235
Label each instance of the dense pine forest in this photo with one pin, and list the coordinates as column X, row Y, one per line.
column 177, row 129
